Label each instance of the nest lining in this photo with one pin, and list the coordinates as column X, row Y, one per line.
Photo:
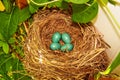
column 87, row 57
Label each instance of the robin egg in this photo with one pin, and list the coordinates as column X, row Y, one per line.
column 56, row 37
column 66, row 38
column 67, row 47
column 55, row 46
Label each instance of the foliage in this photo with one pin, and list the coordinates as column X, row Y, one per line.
column 11, row 34
column 77, row 1
column 81, row 8
column 83, row 13
column 4, row 46
column 10, row 21
column 8, row 5
column 11, row 68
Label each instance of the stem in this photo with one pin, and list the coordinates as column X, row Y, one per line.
column 115, row 2
column 111, row 17
column 42, row 4
column 97, row 76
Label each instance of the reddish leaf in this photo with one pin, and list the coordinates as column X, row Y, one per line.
column 105, row 78
column 21, row 3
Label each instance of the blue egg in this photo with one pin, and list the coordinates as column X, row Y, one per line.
column 66, row 38
column 67, row 47
column 55, row 46
column 56, row 37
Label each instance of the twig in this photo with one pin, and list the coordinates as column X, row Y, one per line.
column 42, row 4
column 25, row 27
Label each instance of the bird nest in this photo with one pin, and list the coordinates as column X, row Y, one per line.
column 87, row 57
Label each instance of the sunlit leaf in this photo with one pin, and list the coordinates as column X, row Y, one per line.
column 5, row 47
column 2, row 7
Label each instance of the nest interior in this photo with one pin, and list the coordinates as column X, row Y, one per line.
column 87, row 57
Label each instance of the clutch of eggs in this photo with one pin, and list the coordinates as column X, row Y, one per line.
column 65, row 37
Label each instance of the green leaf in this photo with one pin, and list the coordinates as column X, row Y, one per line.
column 4, row 74
column 2, row 78
column 8, row 5
column 1, row 37
column 5, row 60
column 105, row 2
column 84, row 13
column 113, row 65
column 78, row 1
column 24, row 14
column 18, row 66
column 60, row 4
column 5, row 47
column 11, row 41
column 33, row 7
column 114, row 2
column 25, row 78
column 40, row 1
column 8, row 64
column 8, row 25
column 1, row 43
